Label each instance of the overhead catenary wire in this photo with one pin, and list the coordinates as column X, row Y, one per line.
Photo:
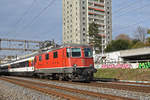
column 41, row 12
column 129, row 5
column 126, row 12
column 121, row 3
column 19, row 20
column 129, row 26
column 24, row 14
column 136, row 23
column 143, row 7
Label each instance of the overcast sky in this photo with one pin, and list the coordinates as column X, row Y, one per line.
column 42, row 19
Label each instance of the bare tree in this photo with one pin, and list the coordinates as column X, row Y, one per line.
column 140, row 34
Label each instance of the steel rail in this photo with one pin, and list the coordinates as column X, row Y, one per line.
column 89, row 93
column 47, row 91
column 114, row 85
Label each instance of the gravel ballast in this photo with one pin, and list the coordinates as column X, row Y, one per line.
column 10, row 91
column 123, row 93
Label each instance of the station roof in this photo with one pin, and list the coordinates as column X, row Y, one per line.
column 135, row 52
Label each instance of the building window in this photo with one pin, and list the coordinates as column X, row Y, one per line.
column 101, row 0
column 83, row 29
column 76, row 29
column 83, row 2
column 76, row 40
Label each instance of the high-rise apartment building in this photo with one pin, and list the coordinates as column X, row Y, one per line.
column 78, row 14
column 75, row 21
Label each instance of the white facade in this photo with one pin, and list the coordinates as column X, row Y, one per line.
column 112, row 57
column 75, row 24
column 100, row 12
column 77, row 14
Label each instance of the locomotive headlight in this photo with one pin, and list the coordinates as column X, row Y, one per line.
column 75, row 65
column 91, row 65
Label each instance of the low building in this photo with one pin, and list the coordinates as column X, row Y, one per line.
column 134, row 58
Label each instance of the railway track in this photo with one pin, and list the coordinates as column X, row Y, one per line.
column 48, row 89
column 131, row 83
column 123, row 86
column 50, row 92
column 135, row 87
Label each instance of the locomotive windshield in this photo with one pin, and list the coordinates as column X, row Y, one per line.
column 76, row 52
column 88, row 52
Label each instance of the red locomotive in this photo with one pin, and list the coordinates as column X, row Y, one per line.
column 67, row 62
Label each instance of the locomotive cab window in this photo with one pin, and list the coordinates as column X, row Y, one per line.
column 55, row 55
column 68, row 52
column 76, row 52
column 88, row 52
column 47, row 56
column 40, row 58
column 35, row 60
